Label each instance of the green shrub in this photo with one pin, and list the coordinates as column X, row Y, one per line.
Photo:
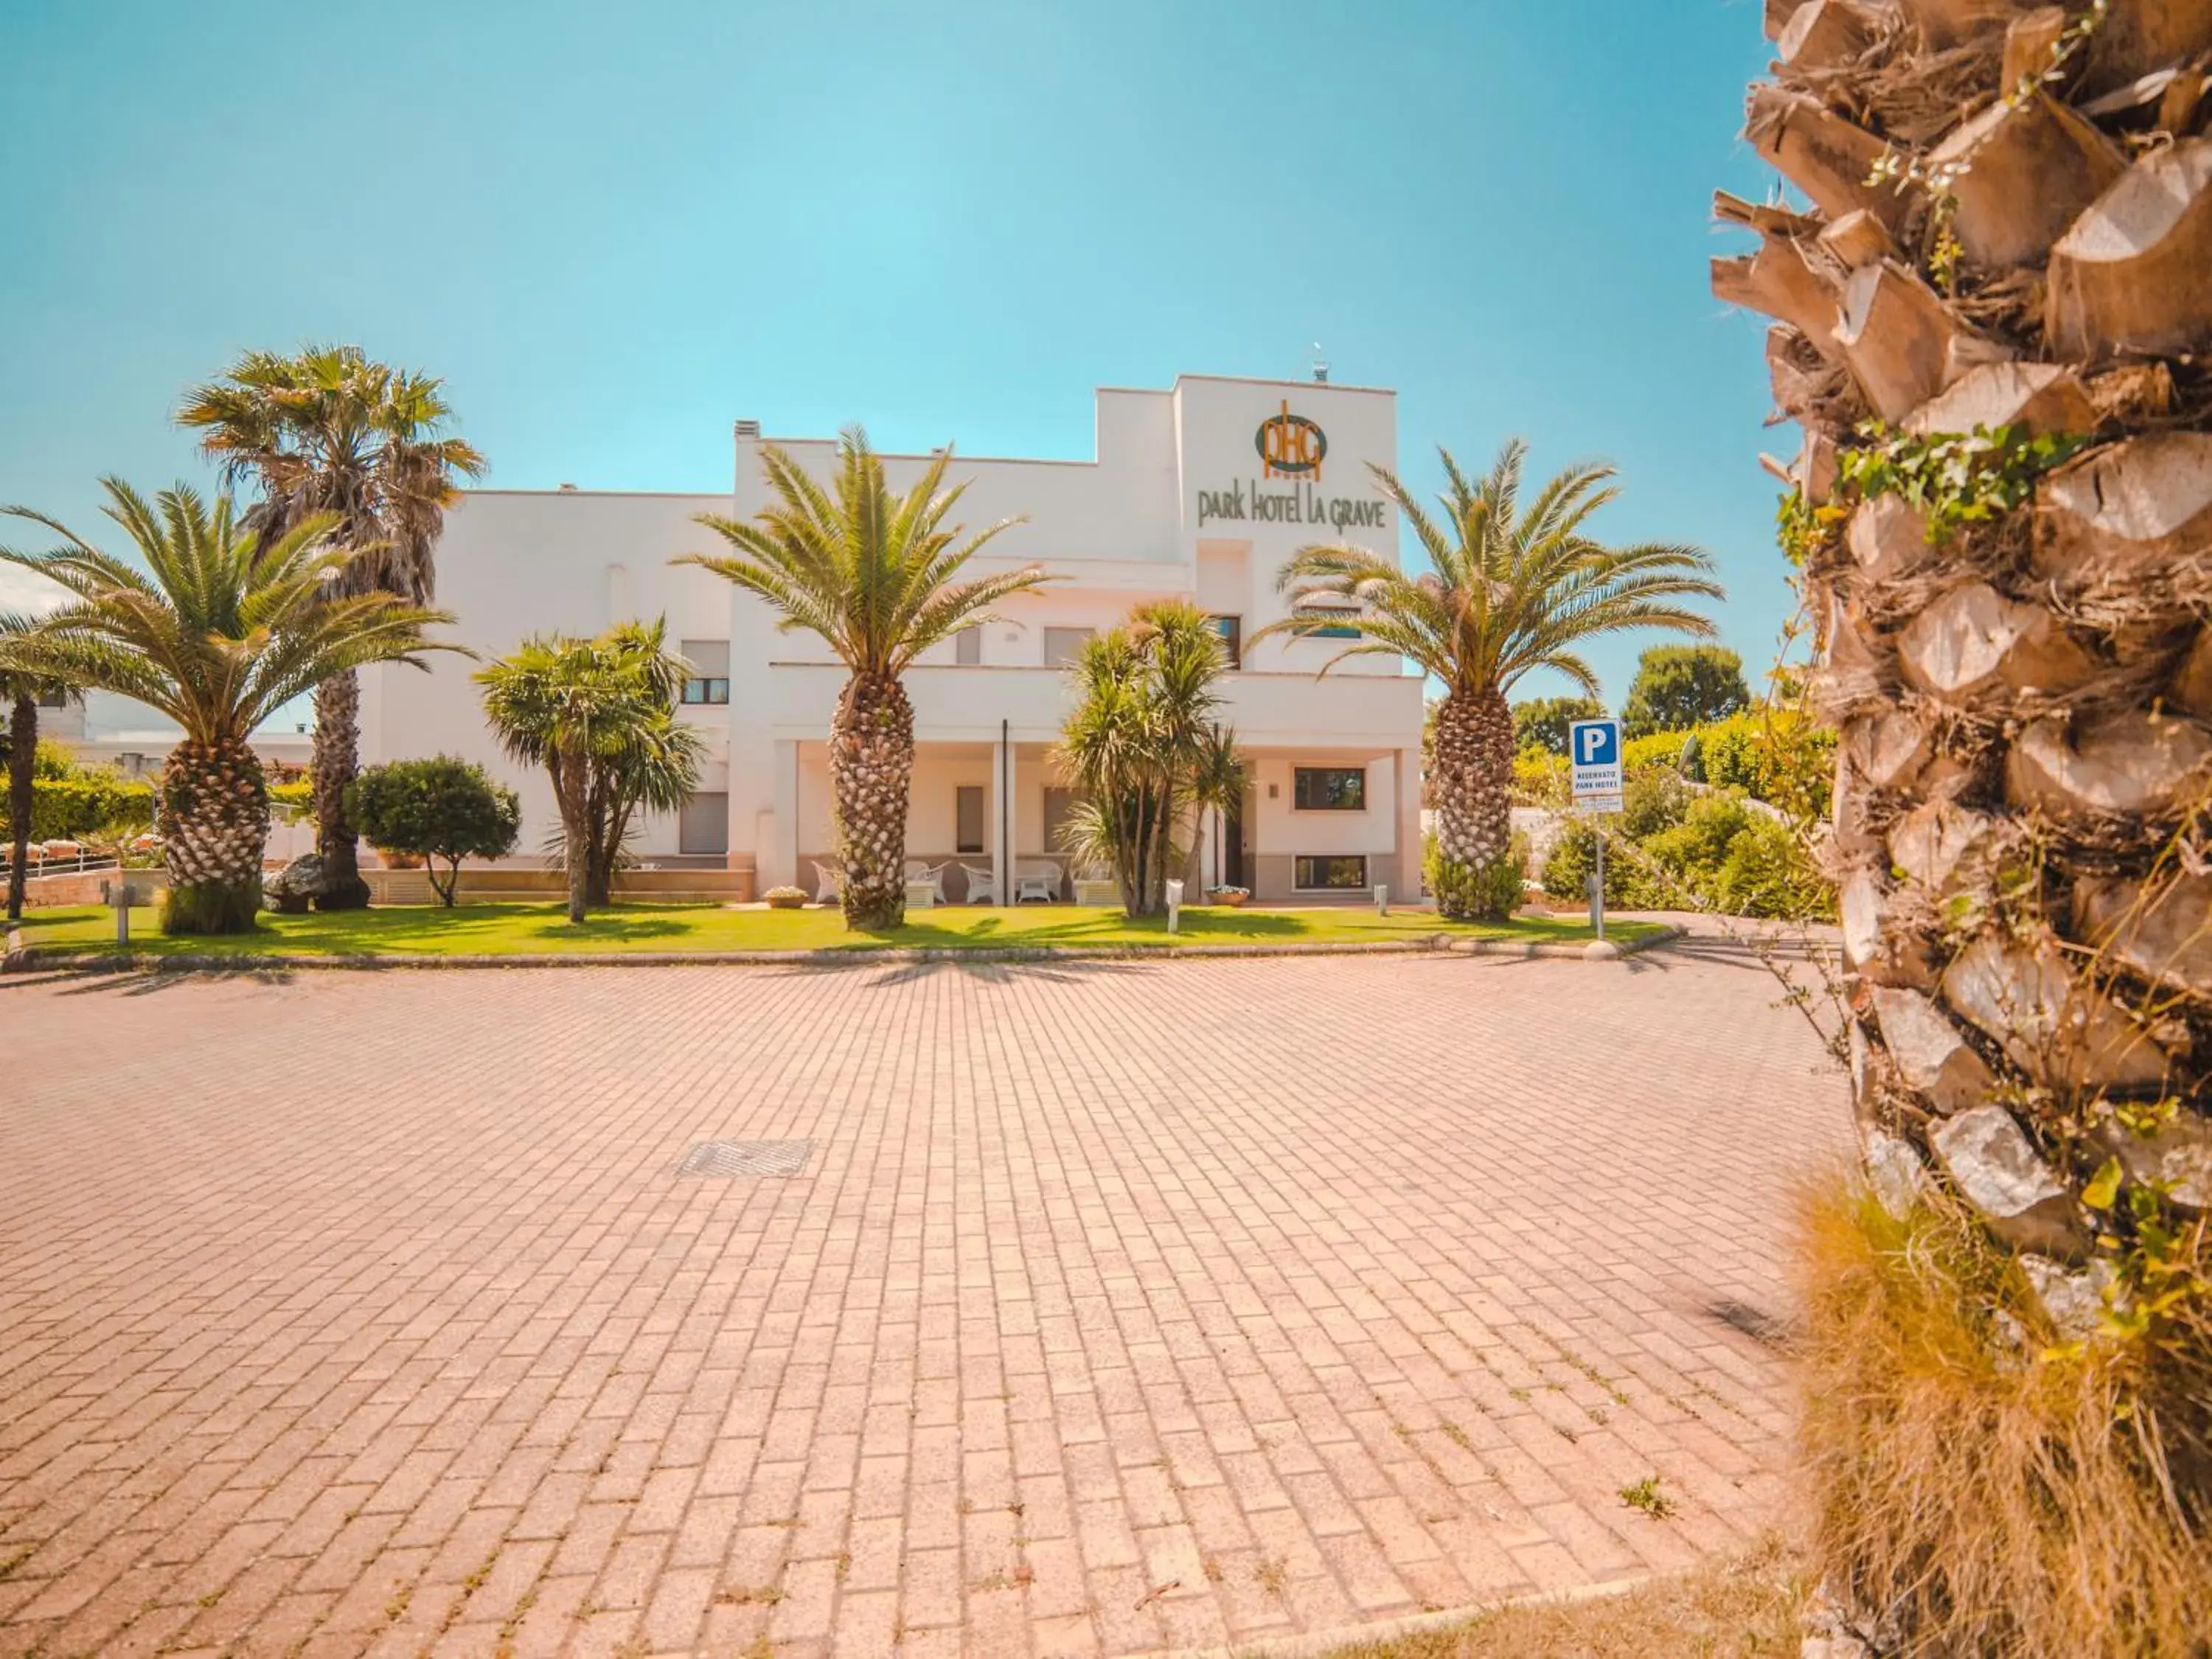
column 1774, row 755
column 298, row 796
column 1732, row 857
column 440, row 809
column 90, row 805
column 1540, row 778
column 1567, row 870
column 1488, row 892
column 1653, row 801
column 1654, row 749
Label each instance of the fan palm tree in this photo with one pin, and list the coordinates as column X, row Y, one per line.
column 1144, row 747
column 599, row 716
column 874, row 575
column 329, row 431
column 1509, row 591
column 222, row 627
column 23, row 689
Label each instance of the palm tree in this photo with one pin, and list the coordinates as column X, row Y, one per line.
column 1508, row 592
column 222, row 627
column 873, row 574
column 23, row 689
column 329, row 431
column 1144, row 747
column 600, row 715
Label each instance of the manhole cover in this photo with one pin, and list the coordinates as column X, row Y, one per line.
column 746, row 1158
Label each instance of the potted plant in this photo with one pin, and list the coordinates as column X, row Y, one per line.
column 1228, row 896
column 785, row 898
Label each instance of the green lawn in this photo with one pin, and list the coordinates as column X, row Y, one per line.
column 535, row 929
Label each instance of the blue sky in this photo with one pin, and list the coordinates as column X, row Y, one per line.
column 614, row 229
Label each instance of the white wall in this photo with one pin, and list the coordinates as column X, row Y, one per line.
column 1276, row 825
column 513, row 564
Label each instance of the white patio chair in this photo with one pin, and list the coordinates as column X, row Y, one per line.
column 982, row 884
column 827, row 884
column 1036, row 880
column 922, row 870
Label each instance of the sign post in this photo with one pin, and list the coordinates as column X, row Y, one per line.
column 1594, row 757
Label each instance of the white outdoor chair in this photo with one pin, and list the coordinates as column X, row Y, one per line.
column 1036, row 880
column 921, row 870
column 982, row 884
column 827, row 884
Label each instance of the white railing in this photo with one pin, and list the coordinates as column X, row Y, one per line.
column 75, row 863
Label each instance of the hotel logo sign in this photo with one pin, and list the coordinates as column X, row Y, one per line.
column 1290, row 445
column 1291, row 449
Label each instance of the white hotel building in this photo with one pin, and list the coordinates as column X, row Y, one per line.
column 1200, row 492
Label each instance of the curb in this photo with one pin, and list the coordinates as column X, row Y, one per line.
column 92, row 961
column 1318, row 1644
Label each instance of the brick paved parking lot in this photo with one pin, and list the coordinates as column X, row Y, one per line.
column 1117, row 1307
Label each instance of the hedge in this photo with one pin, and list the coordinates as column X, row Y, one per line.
column 73, row 809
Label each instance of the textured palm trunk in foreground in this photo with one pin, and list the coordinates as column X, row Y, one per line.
column 214, row 822
column 1473, row 779
column 2012, row 235
column 871, row 772
column 337, row 761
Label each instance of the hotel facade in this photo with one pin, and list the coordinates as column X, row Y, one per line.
column 1200, row 492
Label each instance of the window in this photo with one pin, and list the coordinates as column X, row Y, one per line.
column 968, row 646
column 1064, row 645
column 1232, row 629
column 708, row 683
column 704, row 828
column 1329, row 789
column 1330, row 873
column 968, row 818
column 1320, row 608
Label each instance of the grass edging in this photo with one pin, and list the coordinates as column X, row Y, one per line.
column 1316, row 1645
column 92, row 959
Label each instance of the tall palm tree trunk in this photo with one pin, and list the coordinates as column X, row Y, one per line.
column 215, row 823
column 337, row 761
column 572, row 794
column 871, row 774
column 22, row 794
column 1474, row 781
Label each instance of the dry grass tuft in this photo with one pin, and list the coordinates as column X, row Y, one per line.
column 1742, row 1609
column 1996, row 1501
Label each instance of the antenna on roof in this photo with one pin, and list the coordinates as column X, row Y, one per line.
column 1320, row 366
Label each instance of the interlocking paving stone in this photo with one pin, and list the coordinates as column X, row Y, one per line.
column 1120, row 1306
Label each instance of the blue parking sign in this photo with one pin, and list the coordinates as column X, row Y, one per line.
column 1595, row 743
column 1593, row 757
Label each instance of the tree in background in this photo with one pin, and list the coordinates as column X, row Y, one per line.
column 442, row 809
column 21, row 689
column 599, row 716
column 328, row 431
column 1143, row 747
column 1543, row 721
column 874, row 575
column 220, row 628
column 1509, row 591
column 1992, row 322
column 1678, row 687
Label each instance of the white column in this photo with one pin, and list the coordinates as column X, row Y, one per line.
column 1407, row 777
column 1002, row 798
column 1209, row 835
column 779, row 856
